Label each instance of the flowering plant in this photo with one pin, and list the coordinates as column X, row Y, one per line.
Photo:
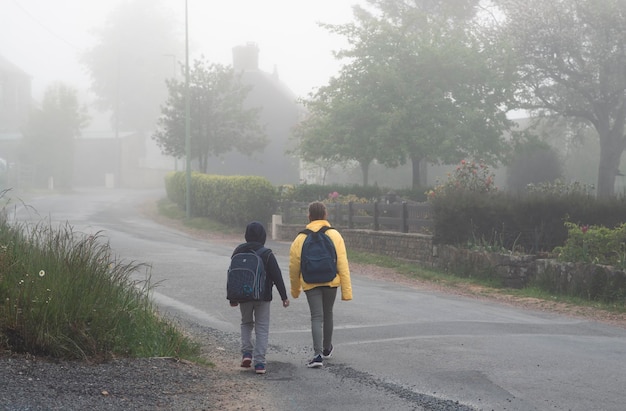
column 467, row 176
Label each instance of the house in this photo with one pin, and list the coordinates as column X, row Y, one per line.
column 279, row 114
column 133, row 160
column 15, row 103
column 15, row 97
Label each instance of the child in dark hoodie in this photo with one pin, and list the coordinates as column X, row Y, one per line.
column 256, row 314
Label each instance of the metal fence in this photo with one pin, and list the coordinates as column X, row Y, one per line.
column 378, row 216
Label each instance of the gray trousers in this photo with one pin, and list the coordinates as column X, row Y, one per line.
column 255, row 315
column 321, row 301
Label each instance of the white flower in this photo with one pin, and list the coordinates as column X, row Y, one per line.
column 42, row 273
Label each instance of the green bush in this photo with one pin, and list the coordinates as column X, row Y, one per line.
column 318, row 192
column 467, row 177
column 231, row 200
column 594, row 244
column 467, row 209
column 65, row 295
column 414, row 194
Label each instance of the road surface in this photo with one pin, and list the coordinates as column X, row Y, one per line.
column 396, row 348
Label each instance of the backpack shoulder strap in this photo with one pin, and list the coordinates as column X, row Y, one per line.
column 264, row 253
column 321, row 230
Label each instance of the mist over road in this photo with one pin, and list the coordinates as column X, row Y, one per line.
column 396, row 348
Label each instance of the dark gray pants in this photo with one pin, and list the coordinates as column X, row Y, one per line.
column 321, row 301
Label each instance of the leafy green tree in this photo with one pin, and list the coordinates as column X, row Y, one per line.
column 431, row 78
column 343, row 123
column 130, row 62
column 219, row 119
column 48, row 143
column 571, row 61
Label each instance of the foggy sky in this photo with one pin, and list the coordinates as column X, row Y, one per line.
column 44, row 37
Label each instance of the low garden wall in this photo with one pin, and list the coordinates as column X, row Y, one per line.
column 407, row 246
column 515, row 271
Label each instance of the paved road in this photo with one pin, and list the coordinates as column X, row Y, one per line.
column 396, row 348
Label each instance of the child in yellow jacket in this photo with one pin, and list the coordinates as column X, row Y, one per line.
column 320, row 296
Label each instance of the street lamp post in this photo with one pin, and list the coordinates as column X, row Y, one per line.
column 187, row 124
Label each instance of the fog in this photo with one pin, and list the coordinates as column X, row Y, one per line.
column 44, row 38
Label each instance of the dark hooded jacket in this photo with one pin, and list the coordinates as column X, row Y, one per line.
column 255, row 240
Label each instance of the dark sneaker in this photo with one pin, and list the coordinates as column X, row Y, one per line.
column 259, row 368
column 327, row 353
column 316, row 362
column 246, row 361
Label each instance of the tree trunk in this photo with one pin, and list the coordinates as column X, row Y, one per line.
column 365, row 168
column 203, row 163
column 611, row 149
column 423, row 181
column 608, row 169
column 416, row 172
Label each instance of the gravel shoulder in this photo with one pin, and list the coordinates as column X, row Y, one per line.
column 38, row 384
column 35, row 383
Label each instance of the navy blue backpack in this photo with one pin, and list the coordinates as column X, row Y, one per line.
column 246, row 277
column 318, row 262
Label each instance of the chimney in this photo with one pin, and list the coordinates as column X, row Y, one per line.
column 246, row 58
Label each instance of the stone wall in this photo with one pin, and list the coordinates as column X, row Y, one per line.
column 515, row 271
column 411, row 246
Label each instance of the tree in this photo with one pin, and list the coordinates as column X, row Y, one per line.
column 130, row 62
column 571, row 61
column 48, row 143
column 343, row 123
column 219, row 121
column 433, row 79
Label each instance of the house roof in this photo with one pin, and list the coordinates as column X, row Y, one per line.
column 7, row 66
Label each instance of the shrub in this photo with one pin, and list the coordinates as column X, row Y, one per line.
column 414, row 194
column 468, row 176
column 231, row 200
column 464, row 206
column 594, row 244
column 559, row 187
column 318, row 192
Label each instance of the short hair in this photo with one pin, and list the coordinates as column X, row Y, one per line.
column 317, row 211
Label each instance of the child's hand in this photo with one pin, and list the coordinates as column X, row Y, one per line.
column 285, row 303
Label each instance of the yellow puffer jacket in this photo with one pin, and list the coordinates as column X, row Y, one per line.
column 341, row 280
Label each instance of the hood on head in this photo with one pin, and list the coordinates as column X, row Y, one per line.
column 255, row 233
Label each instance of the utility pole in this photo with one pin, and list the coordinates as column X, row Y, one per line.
column 187, row 123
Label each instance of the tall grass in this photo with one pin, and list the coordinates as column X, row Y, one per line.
column 64, row 294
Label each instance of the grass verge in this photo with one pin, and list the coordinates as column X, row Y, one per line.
column 485, row 286
column 64, row 294
column 171, row 210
